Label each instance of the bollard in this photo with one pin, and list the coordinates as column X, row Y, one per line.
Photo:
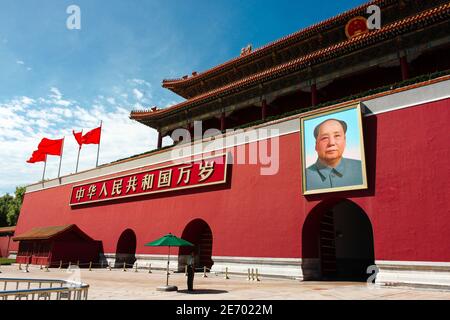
column 185, row 270
column 124, row 266
column 149, row 268
column 204, row 272
column 60, row 264
column 20, row 266
column 253, row 275
column 248, row 278
column 46, row 269
column 257, row 275
column 226, row 273
column 90, row 266
column 136, row 269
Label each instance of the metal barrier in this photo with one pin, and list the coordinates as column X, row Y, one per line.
column 53, row 289
column 252, row 274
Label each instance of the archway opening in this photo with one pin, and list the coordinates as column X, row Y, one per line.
column 337, row 242
column 126, row 249
column 199, row 233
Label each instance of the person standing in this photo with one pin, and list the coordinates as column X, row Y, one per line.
column 190, row 272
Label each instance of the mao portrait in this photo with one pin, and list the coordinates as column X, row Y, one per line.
column 333, row 151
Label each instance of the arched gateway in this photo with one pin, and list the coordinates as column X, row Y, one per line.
column 337, row 242
column 199, row 233
column 126, row 249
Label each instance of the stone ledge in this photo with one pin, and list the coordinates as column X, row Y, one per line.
column 418, row 274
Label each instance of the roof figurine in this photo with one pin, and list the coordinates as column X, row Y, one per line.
column 246, row 50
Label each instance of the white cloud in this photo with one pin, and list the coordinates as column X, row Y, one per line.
column 61, row 102
column 24, row 121
column 137, row 94
column 27, row 101
column 56, row 98
column 20, row 62
column 56, row 93
column 140, row 82
column 63, row 112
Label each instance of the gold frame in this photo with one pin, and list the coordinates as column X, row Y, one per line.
column 317, row 114
column 157, row 191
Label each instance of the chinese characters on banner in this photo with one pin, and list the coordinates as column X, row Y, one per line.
column 202, row 172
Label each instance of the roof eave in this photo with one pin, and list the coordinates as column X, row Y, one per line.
column 173, row 83
column 286, row 66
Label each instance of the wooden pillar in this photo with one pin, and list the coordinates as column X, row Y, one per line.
column 264, row 110
column 222, row 122
column 313, row 94
column 159, row 145
column 405, row 67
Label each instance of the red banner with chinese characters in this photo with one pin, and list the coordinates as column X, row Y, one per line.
column 198, row 173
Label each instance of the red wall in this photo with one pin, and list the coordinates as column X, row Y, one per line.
column 408, row 164
column 4, row 246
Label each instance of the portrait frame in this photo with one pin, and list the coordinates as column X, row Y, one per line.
column 320, row 116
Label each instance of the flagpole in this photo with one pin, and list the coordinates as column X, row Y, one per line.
column 45, row 164
column 79, row 150
column 60, row 158
column 98, row 149
column 78, row 158
column 167, row 276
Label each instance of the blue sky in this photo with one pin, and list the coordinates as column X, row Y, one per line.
column 53, row 79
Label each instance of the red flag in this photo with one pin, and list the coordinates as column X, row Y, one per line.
column 93, row 136
column 53, row 147
column 79, row 137
column 37, row 156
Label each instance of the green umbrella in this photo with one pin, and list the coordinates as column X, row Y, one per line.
column 169, row 240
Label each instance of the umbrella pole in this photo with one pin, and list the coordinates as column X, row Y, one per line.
column 168, row 259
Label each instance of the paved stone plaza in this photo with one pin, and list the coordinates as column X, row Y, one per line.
column 117, row 284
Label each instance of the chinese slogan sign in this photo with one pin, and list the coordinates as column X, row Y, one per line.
column 202, row 172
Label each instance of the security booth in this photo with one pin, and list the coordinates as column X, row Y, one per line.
column 50, row 246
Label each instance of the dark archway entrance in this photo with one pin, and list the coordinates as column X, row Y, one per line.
column 199, row 233
column 338, row 237
column 126, row 249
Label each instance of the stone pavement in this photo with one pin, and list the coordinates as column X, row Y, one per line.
column 141, row 285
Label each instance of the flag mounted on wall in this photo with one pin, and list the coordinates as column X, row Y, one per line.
column 37, row 156
column 48, row 147
column 78, row 136
column 91, row 137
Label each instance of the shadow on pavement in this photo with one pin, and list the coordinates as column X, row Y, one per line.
column 203, row 291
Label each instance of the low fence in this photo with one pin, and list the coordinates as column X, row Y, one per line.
column 46, row 289
column 252, row 273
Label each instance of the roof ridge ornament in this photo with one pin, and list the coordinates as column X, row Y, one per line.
column 246, row 50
